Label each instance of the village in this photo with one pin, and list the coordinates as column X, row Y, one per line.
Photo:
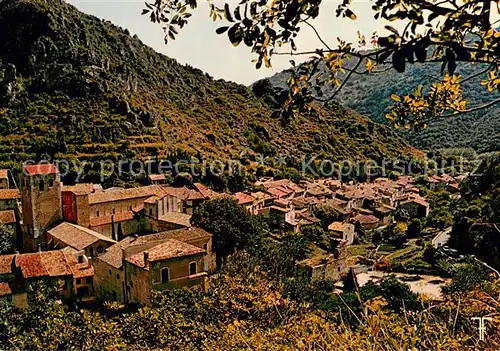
column 121, row 244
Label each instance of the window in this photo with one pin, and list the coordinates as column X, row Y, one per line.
column 118, row 276
column 41, row 185
column 91, row 252
column 150, row 211
column 110, row 272
column 193, row 267
column 80, row 259
column 51, row 183
column 100, row 250
column 114, row 211
column 165, row 275
column 97, row 213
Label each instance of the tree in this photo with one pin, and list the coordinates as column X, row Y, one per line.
column 443, row 32
column 7, row 240
column 232, row 226
column 414, row 228
column 466, row 278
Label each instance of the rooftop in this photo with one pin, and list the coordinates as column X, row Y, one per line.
column 178, row 218
column 77, row 236
column 113, row 255
column 41, row 264
column 119, row 217
column 41, row 169
column 7, row 217
column 9, row 194
column 4, row 173
column 167, row 250
column 244, row 198
column 125, row 194
column 5, row 289
column 340, row 226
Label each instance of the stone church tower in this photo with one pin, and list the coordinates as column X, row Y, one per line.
column 41, row 198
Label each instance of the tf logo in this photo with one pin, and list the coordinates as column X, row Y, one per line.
column 482, row 325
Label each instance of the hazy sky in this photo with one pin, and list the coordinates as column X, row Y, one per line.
column 198, row 45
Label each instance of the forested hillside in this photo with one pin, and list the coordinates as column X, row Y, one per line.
column 75, row 86
column 370, row 95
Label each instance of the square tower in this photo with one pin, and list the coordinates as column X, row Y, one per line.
column 41, row 198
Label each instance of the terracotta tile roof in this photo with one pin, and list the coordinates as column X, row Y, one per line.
column 206, row 191
column 4, row 173
column 282, row 183
column 9, row 194
column 41, row 169
column 118, row 217
column 113, row 255
column 40, row 264
column 418, row 200
column 244, row 198
column 183, row 193
column 7, row 217
column 156, row 177
column 365, row 219
column 152, row 200
column 178, row 218
column 279, row 192
column 77, row 236
column 260, row 195
column 6, row 264
column 5, row 289
column 167, row 250
column 125, row 194
column 340, row 226
column 79, row 189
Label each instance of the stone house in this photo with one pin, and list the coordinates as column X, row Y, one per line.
column 157, row 179
column 323, row 265
column 128, row 272
column 156, row 266
column 416, row 207
column 343, row 231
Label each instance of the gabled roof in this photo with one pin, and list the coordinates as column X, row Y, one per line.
column 177, row 218
column 43, row 264
column 79, row 189
column 6, row 264
column 244, row 198
column 156, row 177
column 340, row 226
column 7, row 217
column 9, row 194
column 41, row 169
column 206, row 191
column 125, row 194
column 113, row 255
column 183, row 193
column 167, row 250
column 365, row 219
column 5, row 289
column 77, row 236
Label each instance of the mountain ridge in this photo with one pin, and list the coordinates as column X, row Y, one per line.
column 370, row 94
column 75, row 86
